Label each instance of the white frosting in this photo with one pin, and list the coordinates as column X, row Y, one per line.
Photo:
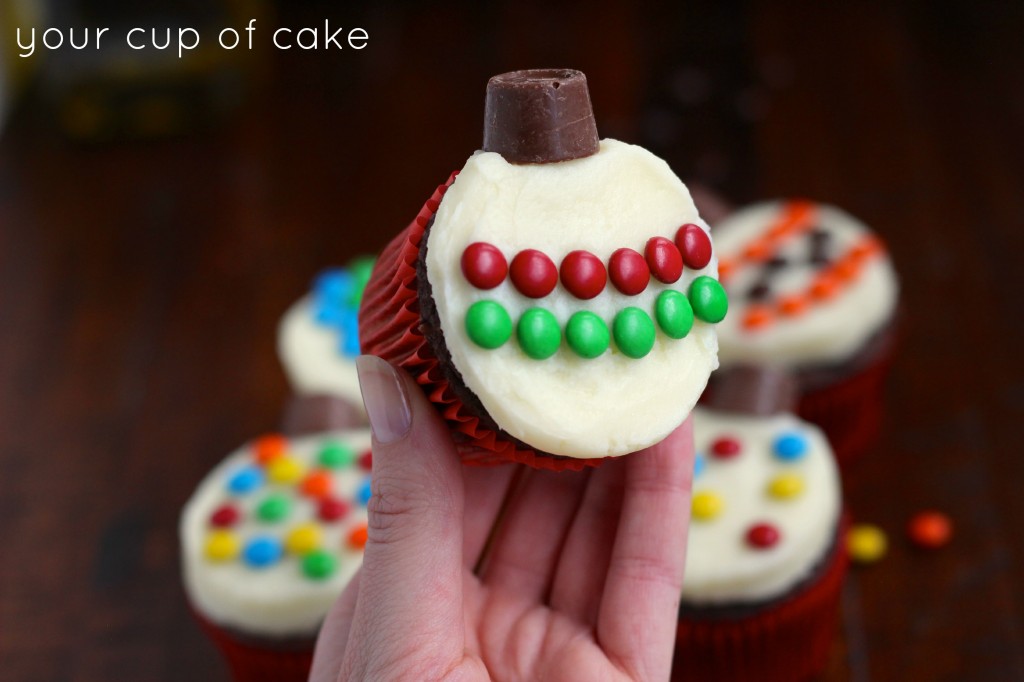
column 620, row 197
column 277, row 600
column 828, row 332
column 311, row 355
column 721, row 566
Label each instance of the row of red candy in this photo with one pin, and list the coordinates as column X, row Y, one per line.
column 583, row 274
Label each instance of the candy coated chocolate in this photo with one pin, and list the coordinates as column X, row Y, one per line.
column 539, row 116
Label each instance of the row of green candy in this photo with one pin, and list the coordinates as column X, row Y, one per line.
column 489, row 325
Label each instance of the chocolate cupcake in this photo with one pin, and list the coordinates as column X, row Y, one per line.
column 557, row 297
column 815, row 293
column 269, row 539
column 318, row 342
column 764, row 562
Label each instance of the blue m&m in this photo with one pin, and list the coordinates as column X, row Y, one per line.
column 246, row 480
column 364, row 492
column 262, row 551
column 790, row 446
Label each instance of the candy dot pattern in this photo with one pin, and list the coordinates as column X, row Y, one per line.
column 765, row 506
column 584, row 276
column 808, row 284
column 255, row 544
column 318, row 335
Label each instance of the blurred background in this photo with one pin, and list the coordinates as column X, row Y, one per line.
column 158, row 215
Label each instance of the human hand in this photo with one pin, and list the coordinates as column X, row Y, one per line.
column 581, row 579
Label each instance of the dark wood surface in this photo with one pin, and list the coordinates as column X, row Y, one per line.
column 141, row 283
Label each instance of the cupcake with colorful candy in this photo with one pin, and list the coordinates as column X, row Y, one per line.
column 815, row 293
column 557, row 298
column 269, row 540
column 764, row 566
column 318, row 342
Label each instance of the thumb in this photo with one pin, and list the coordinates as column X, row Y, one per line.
column 410, row 591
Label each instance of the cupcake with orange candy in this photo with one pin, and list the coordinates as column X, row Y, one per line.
column 813, row 291
column 269, row 539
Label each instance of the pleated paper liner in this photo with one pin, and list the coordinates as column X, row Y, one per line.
column 390, row 326
column 787, row 641
column 260, row 659
column 850, row 411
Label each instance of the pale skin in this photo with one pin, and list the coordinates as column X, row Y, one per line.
column 580, row 581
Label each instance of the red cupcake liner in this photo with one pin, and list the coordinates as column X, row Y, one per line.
column 251, row 662
column 850, row 411
column 390, row 327
column 788, row 641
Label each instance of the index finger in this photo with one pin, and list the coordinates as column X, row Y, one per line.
column 640, row 607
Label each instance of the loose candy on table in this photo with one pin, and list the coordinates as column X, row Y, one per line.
column 866, row 543
column 930, row 529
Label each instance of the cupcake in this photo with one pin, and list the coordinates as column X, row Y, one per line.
column 557, row 297
column 318, row 342
column 764, row 566
column 269, row 539
column 814, row 292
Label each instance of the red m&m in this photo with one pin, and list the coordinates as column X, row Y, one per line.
column 664, row 259
column 484, row 265
column 583, row 274
column 533, row 273
column 331, row 509
column 224, row 516
column 725, row 447
column 628, row 271
column 695, row 245
column 763, row 536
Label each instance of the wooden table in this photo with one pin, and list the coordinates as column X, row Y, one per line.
column 140, row 286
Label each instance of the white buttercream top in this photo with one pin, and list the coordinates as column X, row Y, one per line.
column 781, row 474
column 313, row 356
column 826, row 329
column 251, row 573
column 568, row 405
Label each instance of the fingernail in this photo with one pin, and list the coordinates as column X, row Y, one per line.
column 387, row 405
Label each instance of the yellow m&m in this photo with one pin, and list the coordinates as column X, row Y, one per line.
column 303, row 539
column 222, row 545
column 285, row 469
column 706, row 506
column 786, row 486
column 866, row 543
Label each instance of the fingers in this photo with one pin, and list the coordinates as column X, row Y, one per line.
column 583, row 565
column 333, row 636
column 411, row 580
column 530, row 538
column 639, row 609
column 487, row 488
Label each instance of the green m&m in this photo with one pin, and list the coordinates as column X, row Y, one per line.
column 335, row 454
column 634, row 332
column 274, row 508
column 674, row 314
column 488, row 324
column 538, row 333
column 319, row 564
column 708, row 299
column 587, row 334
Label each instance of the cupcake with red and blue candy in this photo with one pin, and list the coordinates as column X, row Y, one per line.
column 318, row 342
column 764, row 566
column 269, row 539
column 814, row 293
